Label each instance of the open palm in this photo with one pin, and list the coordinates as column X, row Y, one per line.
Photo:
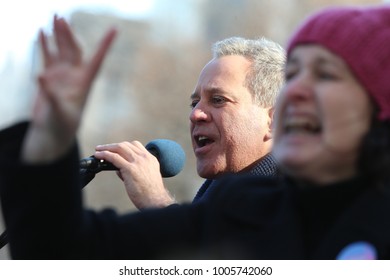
column 64, row 85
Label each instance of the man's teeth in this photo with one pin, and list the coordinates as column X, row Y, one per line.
column 203, row 141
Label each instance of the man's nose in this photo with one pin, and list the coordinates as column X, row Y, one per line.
column 199, row 113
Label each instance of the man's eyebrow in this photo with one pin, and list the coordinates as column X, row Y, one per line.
column 212, row 90
column 217, row 90
column 194, row 95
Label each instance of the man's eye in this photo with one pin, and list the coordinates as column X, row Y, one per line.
column 218, row 100
column 193, row 103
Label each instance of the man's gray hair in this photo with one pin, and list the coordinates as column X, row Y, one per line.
column 266, row 76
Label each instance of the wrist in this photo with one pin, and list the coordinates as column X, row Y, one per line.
column 41, row 146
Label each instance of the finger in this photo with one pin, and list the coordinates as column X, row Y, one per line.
column 49, row 96
column 68, row 49
column 47, row 57
column 139, row 148
column 98, row 57
column 116, row 159
column 123, row 149
column 108, row 147
column 138, row 145
column 44, row 89
column 132, row 152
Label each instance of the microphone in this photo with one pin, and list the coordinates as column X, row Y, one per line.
column 169, row 154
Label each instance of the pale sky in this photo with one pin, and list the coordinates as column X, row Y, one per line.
column 21, row 19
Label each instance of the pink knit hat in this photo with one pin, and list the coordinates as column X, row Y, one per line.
column 361, row 37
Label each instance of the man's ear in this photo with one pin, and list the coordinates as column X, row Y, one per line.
column 270, row 123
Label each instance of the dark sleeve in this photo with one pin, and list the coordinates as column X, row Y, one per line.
column 45, row 219
column 39, row 202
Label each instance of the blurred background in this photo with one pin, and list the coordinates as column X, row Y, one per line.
column 144, row 87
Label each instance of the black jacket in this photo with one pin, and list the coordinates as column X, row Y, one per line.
column 248, row 217
column 266, row 166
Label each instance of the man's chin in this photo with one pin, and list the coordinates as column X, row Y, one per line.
column 206, row 172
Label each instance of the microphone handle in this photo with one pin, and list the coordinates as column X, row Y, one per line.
column 94, row 165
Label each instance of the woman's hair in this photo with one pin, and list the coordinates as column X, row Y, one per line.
column 360, row 35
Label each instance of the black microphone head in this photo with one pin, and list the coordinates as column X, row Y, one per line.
column 170, row 155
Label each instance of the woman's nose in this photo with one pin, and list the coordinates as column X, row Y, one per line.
column 298, row 88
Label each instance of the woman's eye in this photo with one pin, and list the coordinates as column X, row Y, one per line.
column 326, row 76
column 289, row 75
